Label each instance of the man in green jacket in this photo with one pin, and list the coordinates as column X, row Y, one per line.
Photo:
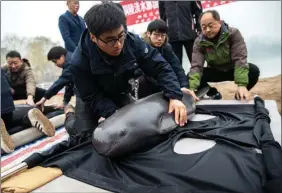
column 224, row 50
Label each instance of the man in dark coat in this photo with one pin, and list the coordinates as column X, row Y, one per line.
column 60, row 57
column 71, row 25
column 106, row 59
column 182, row 19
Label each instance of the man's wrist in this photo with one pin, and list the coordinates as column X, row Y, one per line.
column 175, row 98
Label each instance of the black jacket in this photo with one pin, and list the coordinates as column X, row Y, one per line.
column 168, row 54
column 101, row 79
column 179, row 16
column 7, row 102
column 64, row 80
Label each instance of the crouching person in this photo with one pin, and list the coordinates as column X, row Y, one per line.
column 224, row 50
column 60, row 57
column 156, row 36
column 21, row 79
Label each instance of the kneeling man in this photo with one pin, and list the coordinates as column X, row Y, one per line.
column 224, row 50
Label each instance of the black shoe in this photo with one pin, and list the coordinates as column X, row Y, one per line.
column 213, row 94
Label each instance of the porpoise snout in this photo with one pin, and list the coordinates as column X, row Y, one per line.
column 106, row 140
column 101, row 140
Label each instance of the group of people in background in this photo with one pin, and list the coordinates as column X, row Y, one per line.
column 106, row 66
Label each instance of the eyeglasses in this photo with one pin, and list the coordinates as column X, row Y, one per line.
column 158, row 35
column 113, row 41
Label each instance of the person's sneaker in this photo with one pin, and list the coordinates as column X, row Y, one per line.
column 6, row 141
column 41, row 122
column 69, row 109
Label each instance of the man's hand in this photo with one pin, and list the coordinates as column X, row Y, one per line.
column 242, row 93
column 179, row 110
column 30, row 100
column 191, row 92
column 41, row 103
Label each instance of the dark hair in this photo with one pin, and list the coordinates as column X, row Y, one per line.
column 104, row 17
column 56, row 52
column 120, row 6
column 214, row 13
column 13, row 54
column 157, row 25
column 26, row 61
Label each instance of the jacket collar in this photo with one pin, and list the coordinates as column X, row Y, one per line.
column 75, row 18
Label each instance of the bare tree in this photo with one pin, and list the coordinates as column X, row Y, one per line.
column 35, row 49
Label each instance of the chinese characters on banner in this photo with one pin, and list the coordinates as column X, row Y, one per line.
column 140, row 11
column 208, row 4
column 146, row 11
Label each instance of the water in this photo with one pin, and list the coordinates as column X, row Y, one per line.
column 269, row 66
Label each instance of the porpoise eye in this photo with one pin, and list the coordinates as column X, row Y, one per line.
column 122, row 133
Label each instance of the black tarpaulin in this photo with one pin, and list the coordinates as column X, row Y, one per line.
column 232, row 165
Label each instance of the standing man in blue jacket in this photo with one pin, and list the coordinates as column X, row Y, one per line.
column 60, row 57
column 71, row 25
column 106, row 59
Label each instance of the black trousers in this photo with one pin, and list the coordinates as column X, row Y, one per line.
column 18, row 120
column 177, row 48
column 214, row 75
column 81, row 124
column 20, row 93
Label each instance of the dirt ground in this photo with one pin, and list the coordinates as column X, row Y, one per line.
column 267, row 88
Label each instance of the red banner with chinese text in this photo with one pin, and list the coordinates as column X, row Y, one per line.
column 140, row 11
column 146, row 11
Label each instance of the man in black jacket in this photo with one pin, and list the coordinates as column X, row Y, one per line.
column 60, row 57
column 182, row 18
column 107, row 57
column 156, row 36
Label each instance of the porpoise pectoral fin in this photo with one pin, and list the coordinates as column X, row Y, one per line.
column 166, row 123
